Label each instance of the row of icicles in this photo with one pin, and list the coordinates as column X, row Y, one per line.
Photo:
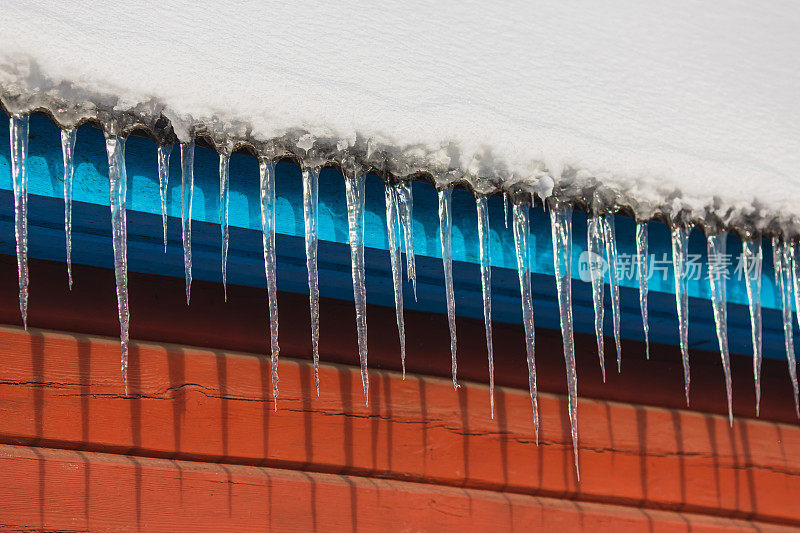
column 600, row 239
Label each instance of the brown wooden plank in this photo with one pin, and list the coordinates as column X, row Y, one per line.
column 160, row 314
column 64, row 390
column 47, row 489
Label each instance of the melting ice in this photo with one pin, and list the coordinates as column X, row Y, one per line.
column 446, row 241
column 187, row 194
column 405, row 209
column 355, row 222
column 717, row 277
column 267, row 182
column 398, row 203
column 680, row 251
column 18, row 130
column 505, row 209
column 794, row 252
column 115, row 149
column 67, row 151
column 611, row 256
column 486, row 287
column 752, row 255
column 595, row 241
column 561, row 227
column 783, row 281
column 163, row 184
column 643, row 272
column 521, row 215
column 311, row 235
column 224, row 196
column 392, row 230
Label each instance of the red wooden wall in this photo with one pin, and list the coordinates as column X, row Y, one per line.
column 198, row 446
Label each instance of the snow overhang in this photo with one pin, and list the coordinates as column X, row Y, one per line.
column 680, row 112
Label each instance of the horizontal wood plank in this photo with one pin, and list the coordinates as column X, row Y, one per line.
column 46, row 489
column 160, row 314
column 64, row 391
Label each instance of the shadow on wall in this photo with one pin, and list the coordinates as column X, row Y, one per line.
column 204, row 406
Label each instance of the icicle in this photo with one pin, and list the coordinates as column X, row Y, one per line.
column 311, row 223
column 520, row 217
column 794, row 254
column 117, row 176
column 610, row 235
column 505, row 209
column 643, row 270
column 267, row 175
column 392, row 229
column 752, row 256
column 561, row 227
column 783, row 280
column 486, row 288
column 67, row 151
column 187, row 194
column 595, row 241
column 405, row 209
column 717, row 276
column 680, row 250
column 163, row 183
column 18, row 133
column 224, row 197
column 446, row 241
column 355, row 223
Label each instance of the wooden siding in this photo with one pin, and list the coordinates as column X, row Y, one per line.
column 212, row 409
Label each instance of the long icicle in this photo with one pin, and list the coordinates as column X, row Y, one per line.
column 392, row 225
column 642, row 268
column 18, row 133
column 752, row 257
column 67, row 153
column 405, row 209
column 311, row 226
column 187, row 195
column 486, row 287
column 595, row 242
column 794, row 256
column 163, row 184
column 520, row 214
column 224, row 197
column 680, row 250
column 717, row 278
column 355, row 223
column 561, row 228
column 610, row 235
column 446, row 241
column 783, row 280
column 118, row 187
column 267, row 181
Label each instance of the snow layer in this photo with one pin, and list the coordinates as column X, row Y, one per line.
column 684, row 108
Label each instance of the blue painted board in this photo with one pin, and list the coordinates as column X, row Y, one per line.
column 92, row 243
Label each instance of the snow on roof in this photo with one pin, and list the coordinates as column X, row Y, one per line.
column 669, row 107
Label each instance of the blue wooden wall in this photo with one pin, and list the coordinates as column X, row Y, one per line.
column 92, row 243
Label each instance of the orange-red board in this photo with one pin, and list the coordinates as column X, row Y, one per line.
column 200, row 407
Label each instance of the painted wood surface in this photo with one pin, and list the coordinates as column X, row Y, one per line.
column 64, row 490
column 92, row 244
column 63, row 391
column 241, row 324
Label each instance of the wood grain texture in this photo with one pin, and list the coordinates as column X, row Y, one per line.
column 47, row 489
column 160, row 314
column 64, row 391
